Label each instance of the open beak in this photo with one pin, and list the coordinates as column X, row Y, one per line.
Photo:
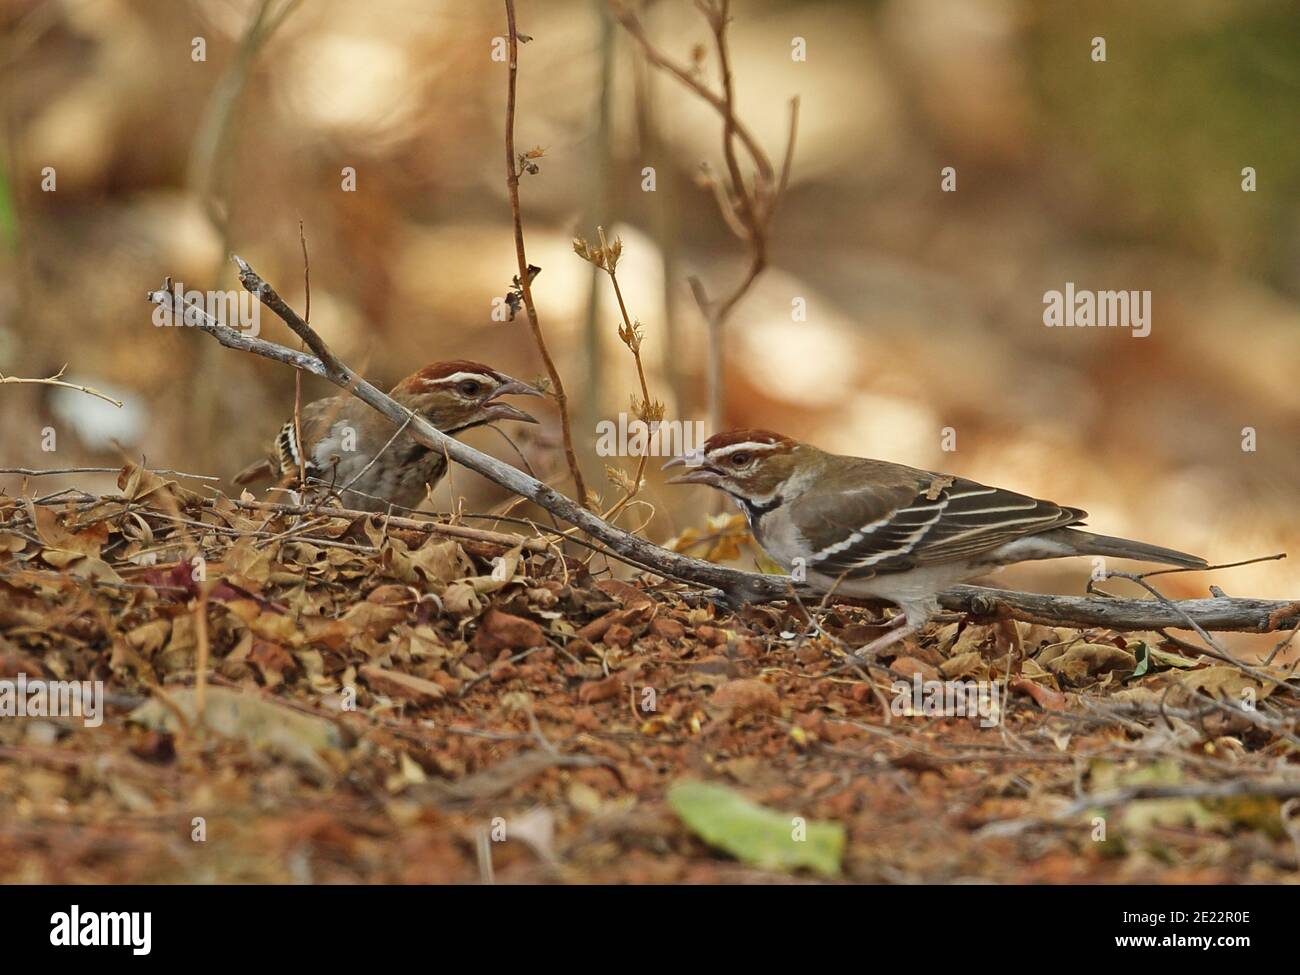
column 515, row 388
column 698, row 474
column 504, row 411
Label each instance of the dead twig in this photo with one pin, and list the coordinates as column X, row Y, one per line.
column 1215, row 649
column 297, row 375
column 57, row 380
column 1236, row 614
column 747, row 210
column 525, row 270
column 32, row 472
column 605, row 257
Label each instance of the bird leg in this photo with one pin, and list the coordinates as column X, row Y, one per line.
column 900, row 627
column 896, row 632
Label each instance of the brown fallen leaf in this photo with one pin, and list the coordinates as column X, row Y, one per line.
column 969, row 664
column 632, row 618
column 600, row 690
column 1085, row 660
column 747, row 696
column 394, row 683
column 908, row 666
column 629, row 595
column 86, row 542
column 154, row 490
column 504, row 631
column 1044, row 697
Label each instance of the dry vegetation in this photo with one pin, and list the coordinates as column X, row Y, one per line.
column 328, row 696
column 381, row 698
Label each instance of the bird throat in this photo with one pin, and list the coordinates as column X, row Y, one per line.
column 755, row 511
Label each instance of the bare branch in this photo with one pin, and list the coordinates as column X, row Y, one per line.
column 632, row 24
column 32, row 472
column 1237, row 614
column 56, row 380
column 747, row 212
column 1246, row 615
column 270, row 297
column 788, row 161
column 1215, row 649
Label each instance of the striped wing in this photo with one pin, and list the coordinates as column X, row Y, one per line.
column 917, row 518
column 286, row 447
column 317, row 419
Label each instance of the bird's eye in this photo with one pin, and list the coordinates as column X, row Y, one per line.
column 739, row 460
column 470, row 388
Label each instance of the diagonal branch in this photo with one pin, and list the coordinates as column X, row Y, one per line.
column 334, row 369
column 632, row 24
column 1220, row 613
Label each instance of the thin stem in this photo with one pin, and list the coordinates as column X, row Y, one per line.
column 525, row 288
column 32, row 472
column 634, row 345
column 747, row 212
column 297, row 376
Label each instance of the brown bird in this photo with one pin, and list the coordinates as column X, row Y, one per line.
column 351, row 448
column 869, row 528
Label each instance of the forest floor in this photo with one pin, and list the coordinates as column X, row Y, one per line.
column 390, row 704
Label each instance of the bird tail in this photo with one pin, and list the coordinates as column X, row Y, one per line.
column 262, row 470
column 1086, row 543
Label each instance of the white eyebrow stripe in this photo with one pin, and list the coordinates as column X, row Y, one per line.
column 459, row 377
column 749, row 445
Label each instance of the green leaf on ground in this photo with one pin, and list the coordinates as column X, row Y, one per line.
column 725, row 819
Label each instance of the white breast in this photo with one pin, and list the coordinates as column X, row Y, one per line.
column 779, row 538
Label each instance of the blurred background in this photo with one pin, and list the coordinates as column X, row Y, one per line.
column 923, row 308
